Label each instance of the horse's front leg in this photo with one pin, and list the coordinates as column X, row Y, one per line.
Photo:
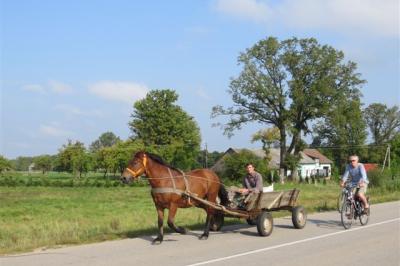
column 160, row 237
column 207, row 226
column 171, row 216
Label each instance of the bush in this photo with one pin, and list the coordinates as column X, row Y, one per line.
column 386, row 179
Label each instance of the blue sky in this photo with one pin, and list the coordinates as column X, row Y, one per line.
column 73, row 69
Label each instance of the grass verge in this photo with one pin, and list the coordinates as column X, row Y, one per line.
column 34, row 217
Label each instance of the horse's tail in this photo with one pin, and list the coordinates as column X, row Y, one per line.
column 223, row 195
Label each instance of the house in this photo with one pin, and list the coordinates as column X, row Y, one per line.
column 319, row 165
column 312, row 162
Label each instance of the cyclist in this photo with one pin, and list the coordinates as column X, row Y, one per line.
column 359, row 178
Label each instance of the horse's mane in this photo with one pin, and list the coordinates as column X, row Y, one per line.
column 159, row 160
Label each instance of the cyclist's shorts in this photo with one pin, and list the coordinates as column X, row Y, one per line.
column 362, row 189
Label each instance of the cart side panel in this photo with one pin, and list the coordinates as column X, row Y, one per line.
column 278, row 199
column 289, row 198
column 268, row 198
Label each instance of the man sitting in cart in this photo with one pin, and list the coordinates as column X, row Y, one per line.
column 252, row 185
column 252, row 182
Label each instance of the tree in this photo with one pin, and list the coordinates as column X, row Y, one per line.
column 383, row 122
column 395, row 152
column 166, row 129
column 235, row 165
column 343, row 130
column 72, row 157
column 206, row 159
column 269, row 137
column 5, row 164
column 22, row 163
column 43, row 163
column 288, row 84
column 106, row 139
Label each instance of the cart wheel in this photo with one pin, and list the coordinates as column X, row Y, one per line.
column 217, row 221
column 299, row 217
column 265, row 224
column 251, row 221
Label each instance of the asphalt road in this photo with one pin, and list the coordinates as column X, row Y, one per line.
column 322, row 242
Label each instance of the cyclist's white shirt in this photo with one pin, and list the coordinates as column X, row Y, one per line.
column 356, row 174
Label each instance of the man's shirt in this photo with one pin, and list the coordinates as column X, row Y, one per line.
column 253, row 182
column 356, row 173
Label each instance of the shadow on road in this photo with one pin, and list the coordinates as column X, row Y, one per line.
column 325, row 223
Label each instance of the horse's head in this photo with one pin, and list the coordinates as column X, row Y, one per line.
column 136, row 167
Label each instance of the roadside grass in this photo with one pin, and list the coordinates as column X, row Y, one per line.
column 41, row 217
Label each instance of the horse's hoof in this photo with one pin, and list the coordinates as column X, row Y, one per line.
column 183, row 231
column 157, row 241
column 203, row 237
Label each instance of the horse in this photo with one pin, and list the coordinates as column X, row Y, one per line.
column 169, row 185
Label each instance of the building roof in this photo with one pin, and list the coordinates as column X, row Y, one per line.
column 315, row 154
column 308, row 156
column 370, row 166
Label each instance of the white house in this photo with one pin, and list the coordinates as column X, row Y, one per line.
column 312, row 162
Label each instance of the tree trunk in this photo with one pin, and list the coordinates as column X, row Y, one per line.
column 282, row 155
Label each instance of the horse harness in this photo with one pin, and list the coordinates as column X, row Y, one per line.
column 162, row 190
column 180, row 192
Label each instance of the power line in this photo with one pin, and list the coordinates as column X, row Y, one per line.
column 349, row 146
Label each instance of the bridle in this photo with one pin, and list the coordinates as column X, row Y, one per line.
column 144, row 164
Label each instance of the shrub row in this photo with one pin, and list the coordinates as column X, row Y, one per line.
column 11, row 181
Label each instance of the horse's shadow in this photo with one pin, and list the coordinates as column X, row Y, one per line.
column 195, row 231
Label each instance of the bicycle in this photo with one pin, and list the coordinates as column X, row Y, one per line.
column 352, row 208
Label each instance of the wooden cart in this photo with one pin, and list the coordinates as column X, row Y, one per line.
column 258, row 210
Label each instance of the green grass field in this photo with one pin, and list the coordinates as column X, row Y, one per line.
column 37, row 217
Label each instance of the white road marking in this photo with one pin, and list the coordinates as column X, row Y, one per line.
column 291, row 243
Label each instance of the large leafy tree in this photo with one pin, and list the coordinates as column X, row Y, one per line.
column 165, row 128
column 43, row 163
column 288, row 84
column 106, row 139
column 73, row 157
column 383, row 122
column 342, row 131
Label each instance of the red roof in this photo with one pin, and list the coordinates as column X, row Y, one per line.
column 370, row 166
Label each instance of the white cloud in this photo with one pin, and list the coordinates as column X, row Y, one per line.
column 51, row 86
column 54, row 131
column 34, row 88
column 349, row 16
column 128, row 92
column 202, row 94
column 73, row 110
column 368, row 16
column 59, row 87
column 254, row 10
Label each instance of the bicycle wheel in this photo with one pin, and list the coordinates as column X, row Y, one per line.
column 340, row 200
column 364, row 217
column 347, row 214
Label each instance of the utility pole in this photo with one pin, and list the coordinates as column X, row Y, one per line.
column 206, row 157
column 387, row 157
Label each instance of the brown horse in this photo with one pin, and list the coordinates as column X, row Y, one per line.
column 169, row 186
